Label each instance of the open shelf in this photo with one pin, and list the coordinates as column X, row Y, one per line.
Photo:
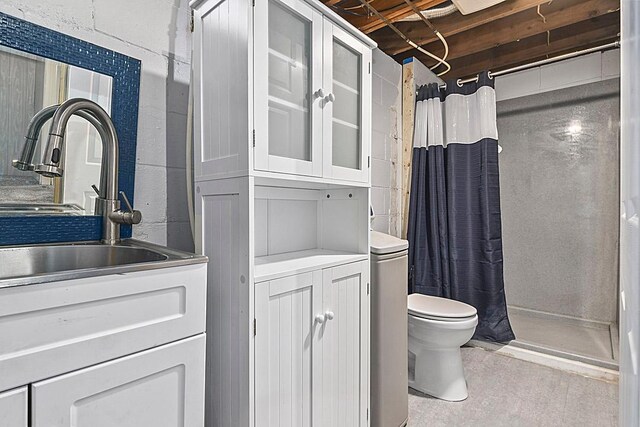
column 286, row 264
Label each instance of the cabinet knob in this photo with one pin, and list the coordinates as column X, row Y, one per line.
column 320, row 318
column 329, row 315
column 329, row 98
column 319, row 93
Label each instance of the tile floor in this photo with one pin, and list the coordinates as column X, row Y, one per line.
column 504, row 391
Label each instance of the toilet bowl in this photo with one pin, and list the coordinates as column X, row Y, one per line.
column 438, row 327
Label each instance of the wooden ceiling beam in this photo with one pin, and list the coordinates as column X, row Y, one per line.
column 448, row 25
column 569, row 39
column 525, row 24
column 368, row 24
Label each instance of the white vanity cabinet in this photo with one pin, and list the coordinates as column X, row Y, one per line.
column 13, row 408
column 123, row 349
column 163, row 386
column 282, row 89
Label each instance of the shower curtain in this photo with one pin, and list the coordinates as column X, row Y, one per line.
column 454, row 230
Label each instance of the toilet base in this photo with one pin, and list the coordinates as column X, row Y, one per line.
column 439, row 373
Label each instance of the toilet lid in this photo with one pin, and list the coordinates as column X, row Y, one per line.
column 440, row 308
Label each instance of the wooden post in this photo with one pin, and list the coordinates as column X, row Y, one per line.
column 408, row 106
column 414, row 74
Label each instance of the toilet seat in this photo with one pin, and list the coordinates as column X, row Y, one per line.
column 440, row 309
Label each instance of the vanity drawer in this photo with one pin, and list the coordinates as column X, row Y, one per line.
column 54, row 328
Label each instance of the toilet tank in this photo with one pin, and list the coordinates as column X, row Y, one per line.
column 389, row 377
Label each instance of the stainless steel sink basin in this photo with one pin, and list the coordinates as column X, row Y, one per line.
column 20, row 265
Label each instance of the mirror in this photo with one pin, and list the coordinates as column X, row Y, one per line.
column 29, row 83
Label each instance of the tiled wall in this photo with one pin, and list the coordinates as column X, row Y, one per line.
column 157, row 33
column 572, row 72
column 558, row 126
column 386, row 147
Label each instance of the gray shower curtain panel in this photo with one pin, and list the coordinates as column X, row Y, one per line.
column 454, row 230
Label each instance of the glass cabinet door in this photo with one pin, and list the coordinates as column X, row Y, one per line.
column 346, row 121
column 287, row 73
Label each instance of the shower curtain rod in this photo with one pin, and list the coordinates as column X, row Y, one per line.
column 607, row 46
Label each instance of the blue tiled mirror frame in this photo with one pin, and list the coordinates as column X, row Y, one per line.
column 125, row 71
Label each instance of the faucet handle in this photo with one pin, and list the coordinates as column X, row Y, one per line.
column 131, row 217
column 126, row 200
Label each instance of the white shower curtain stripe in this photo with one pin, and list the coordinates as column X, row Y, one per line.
column 477, row 111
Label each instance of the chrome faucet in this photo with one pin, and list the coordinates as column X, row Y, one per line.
column 107, row 203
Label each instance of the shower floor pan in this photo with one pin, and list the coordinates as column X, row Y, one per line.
column 595, row 343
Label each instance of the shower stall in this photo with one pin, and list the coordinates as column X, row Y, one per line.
column 559, row 178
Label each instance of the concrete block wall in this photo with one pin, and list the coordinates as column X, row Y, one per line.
column 157, row 33
column 386, row 144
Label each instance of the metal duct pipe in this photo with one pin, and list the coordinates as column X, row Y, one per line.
column 438, row 12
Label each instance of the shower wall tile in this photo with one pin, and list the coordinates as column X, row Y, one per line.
column 559, row 197
column 577, row 71
column 581, row 70
column 611, row 63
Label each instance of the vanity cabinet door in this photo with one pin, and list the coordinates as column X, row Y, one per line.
column 287, row 372
column 287, row 78
column 163, row 386
column 347, row 106
column 13, row 408
column 345, row 345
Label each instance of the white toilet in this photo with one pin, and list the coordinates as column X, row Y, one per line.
column 438, row 327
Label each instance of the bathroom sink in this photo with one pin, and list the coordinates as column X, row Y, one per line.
column 21, row 265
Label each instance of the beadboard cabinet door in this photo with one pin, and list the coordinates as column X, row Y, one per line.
column 347, row 107
column 311, row 349
column 287, row 87
column 345, row 346
column 163, row 386
column 287, row 349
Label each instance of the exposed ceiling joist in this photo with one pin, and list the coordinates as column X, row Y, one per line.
column 571, row 38
column 368, row 24
column 508, row 34
column 450, row 25
column 519, row 26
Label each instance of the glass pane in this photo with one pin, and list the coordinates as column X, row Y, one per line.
column 346, row 107
column 289, row 83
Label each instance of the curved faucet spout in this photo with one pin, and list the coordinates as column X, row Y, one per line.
column 108, row 203
column 52, row 156
column 25, row 162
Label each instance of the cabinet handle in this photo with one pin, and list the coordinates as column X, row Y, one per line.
column 329, row 98
column 329, row 315
column 320, row 318
column 319, row 93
